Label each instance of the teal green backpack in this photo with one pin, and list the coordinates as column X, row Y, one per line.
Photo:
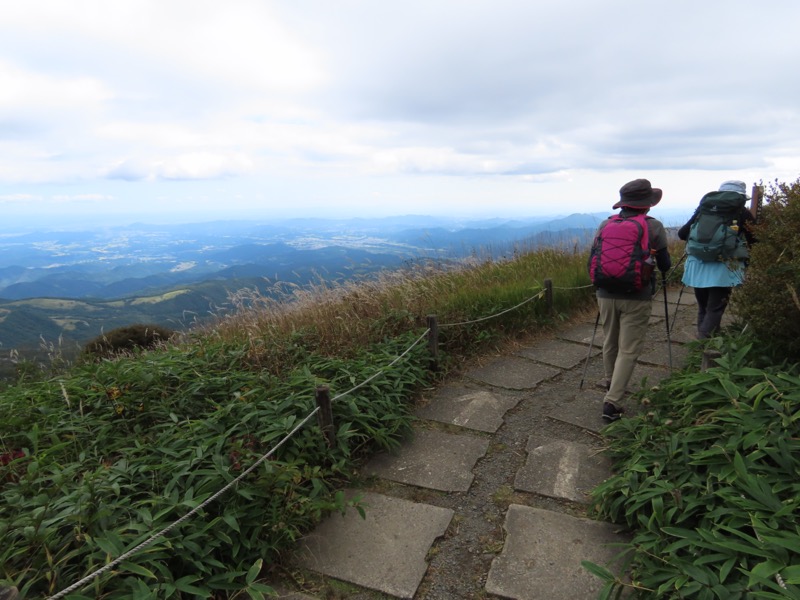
column 716, row 234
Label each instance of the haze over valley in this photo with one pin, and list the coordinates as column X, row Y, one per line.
column 67, row 286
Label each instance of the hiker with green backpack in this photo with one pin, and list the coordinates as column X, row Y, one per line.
column 717, row 239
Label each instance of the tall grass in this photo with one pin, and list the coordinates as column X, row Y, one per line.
column 338, row 319
column 97, row 458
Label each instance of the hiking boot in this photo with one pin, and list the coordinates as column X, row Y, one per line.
column 9, row 593
column 603, row 384
column 611, row 412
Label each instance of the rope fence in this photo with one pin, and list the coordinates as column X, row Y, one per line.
column 186, row 517
column 324, row 413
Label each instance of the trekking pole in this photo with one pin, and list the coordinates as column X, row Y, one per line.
column 666, row 316
column 677, row 306
column 670, row 272
column 591, row 347
column 678, row 264
column 680, row 294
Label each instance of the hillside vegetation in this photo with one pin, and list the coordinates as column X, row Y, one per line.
column 100, row 456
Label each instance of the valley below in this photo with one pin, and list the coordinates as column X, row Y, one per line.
column 61, row 288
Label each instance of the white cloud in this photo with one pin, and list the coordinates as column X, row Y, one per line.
column 18, row 198
column 311, row 103
column 194, row 165
column 82, row 198
column 42, row 92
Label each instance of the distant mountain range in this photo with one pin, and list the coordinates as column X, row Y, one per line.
column 72, row 285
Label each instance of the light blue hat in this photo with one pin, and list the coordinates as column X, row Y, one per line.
column 734, row 186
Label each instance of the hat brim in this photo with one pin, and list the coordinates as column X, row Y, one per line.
column 655, row 198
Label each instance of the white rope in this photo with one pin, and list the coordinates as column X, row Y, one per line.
column 211, row 499
column 185, row 517
column 391, row 364
column 578, row 287
column 537, row 296
column 264, row 457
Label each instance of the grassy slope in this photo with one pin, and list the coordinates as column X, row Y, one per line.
column 102, row 455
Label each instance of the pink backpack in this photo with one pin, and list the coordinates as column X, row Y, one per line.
column 620, row 259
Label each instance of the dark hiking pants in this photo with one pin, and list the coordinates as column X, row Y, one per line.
column 711, row 304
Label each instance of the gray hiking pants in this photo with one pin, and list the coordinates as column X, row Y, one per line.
column 624, row 328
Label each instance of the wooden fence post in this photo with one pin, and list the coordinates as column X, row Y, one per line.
column 548, row 295
column 756, row 199
column 433, row 341
column 325, row 414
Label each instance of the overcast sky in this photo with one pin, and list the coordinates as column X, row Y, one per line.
column 253, row 109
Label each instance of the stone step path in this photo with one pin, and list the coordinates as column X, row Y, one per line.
column 488, row 498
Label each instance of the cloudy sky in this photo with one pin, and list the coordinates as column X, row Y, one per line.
column 262, row 108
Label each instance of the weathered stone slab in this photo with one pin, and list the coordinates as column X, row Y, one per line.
column 385, row 551
column 677, row 296
column 683, row 334
column 542, row 556
column 513, row 373
column 559, row 353
column 433, row 460
column 650, row 374
column 658, row 308
column 283, row 594
column 583, row 411
column 480, row 410
column 562, row 469
column 583, row 334
column 659, row 354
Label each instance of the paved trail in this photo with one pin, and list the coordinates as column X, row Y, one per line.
column 488, row 498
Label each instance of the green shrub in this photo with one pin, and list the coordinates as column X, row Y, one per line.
column 96, row 461
column 768, row 301
column 706, row 480
column 126, row 339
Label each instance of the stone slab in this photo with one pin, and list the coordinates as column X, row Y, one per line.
column 433, row 460
column 513, row 373
column 283, row 594
column 659, row 354
column 651, row 373
column 480, row 410
column 673, row 310
column 542, row 555
column 683, row 334
column 690, row 310
column 678, row 296
column 583, row 334
column 682, row 322
column 658, row 309
column 385, row 551
column 562, row 469
column 559, row 353
column 583, row 410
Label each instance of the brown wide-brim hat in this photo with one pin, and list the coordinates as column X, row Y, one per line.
column 638, row 194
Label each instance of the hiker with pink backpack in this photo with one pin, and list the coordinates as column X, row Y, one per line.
column 627, row 248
